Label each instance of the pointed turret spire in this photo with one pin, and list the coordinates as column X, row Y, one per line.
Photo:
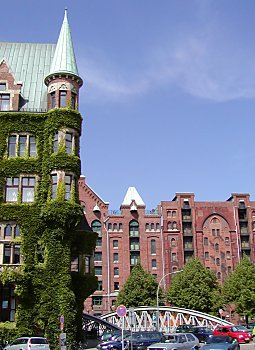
column 64, row 58
column 64, row 61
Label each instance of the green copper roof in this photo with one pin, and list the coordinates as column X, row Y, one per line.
column 30, row 64
column 64, row 58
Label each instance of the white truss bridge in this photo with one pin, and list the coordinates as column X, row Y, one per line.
column 145, row 318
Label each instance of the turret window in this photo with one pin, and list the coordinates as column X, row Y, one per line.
column 53, row 99
column 62, row 98
column 68, row 138
column 68, row 182
column 21, row 146
column 73, row 100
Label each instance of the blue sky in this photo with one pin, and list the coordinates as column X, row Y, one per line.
column 169, row 91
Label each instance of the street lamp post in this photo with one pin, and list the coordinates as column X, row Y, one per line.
column 167, row 274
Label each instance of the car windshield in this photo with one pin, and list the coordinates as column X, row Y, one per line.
column 241, row 328
column 219, row 339
column 203, row 329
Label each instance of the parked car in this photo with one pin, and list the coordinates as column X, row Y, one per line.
column 202, row 333
column 140, row 341
column 114, row 343
column 180, row 341
column 221, row 342
column 232, row 331
column 111, row 335
column 242, row 328
column 184, row 328
column 28, row 343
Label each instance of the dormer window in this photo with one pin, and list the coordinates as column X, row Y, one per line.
column 2, row 86
column 4, row 102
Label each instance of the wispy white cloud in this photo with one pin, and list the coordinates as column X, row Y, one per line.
column 202, row 64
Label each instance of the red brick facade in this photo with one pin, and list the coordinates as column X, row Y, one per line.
column 219, row 233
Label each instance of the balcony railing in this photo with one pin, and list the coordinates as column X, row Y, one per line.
column 152, row 212
column 187, row 232
column 115, row 212
column 188, row 246
column 27, row 110
column 245, row 244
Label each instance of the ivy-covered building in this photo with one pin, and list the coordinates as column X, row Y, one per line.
column 45, row 242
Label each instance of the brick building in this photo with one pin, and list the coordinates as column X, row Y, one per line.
column 163, row 239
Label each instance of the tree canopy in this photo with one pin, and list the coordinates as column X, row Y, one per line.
column 139, row 289
column 239, row 288
column 195, row 288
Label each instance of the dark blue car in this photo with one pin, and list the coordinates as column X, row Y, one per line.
column 202, row 333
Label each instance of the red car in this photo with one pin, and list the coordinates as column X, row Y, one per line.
column 233, row 332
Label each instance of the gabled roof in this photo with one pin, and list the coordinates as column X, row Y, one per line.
column 64, row 58
column 29, row 63
column 132, row 195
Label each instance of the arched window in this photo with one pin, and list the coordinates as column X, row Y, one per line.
column 216, row 247
column 114, row 227
column 134, row 228
column 153, row 246
column 96, row 226
column 205, row 241
column 152, row 227
column 218, row 262
column 16, row 231
column 174, row 225
column 154, row 263
column 169, row 225
column 174, row 213
column 218, row 275
column 174, row 258
column 109, row 226
column 8, row 231
column 168, row 213
column 173, row 242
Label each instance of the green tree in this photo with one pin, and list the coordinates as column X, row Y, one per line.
column 140, row 289
column 239, row 288
column 195, row 288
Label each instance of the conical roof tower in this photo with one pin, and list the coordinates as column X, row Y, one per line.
column 64, row 61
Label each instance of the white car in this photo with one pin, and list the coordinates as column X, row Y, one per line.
column 177, row 341
column 28, row 343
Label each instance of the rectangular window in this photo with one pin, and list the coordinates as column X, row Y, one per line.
column 87, row 264
column 62, row 98
column 69, row 142
column 32, row 146
column 205, row 241
column 7, row 254
column 115, row 257
column 153, row 246
column 2, row 86
column 116, row 271
column 116, row 286
column 54, row 184
column 68, row 186
column 75, row 264
column 28, row 189
column 73, row 100
column 99, row 242
column 98, row 270
column 4, row 102
column 12, row 189
column 7, row 303
column 206, row 256
column 100, row 285
column 154, row 263
column 16, row 255
column 115, row 244
column 22, row 146
column 53, row 99
column 12, row 146
column 97, row 301
column 55, row 143
column 98, row 256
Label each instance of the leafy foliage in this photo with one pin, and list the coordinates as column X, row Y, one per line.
column 45, row 289
column 195, row 288
column 139, row 289
column 239, row 288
